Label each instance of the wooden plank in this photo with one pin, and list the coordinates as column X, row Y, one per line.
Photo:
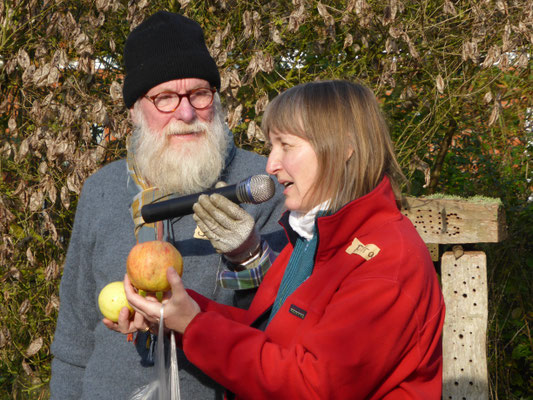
column 456, row 220
column 464, row 287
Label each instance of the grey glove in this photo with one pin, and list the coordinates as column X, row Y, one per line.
column 230, row 229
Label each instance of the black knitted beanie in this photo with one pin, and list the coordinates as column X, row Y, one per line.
column 164, row 47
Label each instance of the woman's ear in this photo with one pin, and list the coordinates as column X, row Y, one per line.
column 349, row 153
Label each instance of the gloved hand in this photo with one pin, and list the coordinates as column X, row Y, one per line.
column 230, row 229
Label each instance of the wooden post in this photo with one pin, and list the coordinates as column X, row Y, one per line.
column 464, row 336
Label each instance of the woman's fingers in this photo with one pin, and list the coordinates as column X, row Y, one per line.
column 148, row 307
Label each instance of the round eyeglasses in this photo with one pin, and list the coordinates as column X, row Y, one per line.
column 168, row 102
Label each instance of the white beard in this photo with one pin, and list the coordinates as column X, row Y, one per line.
column 192, row 168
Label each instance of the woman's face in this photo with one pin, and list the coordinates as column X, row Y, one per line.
column 294, row 163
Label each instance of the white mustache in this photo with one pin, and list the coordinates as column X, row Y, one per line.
column 181, row 128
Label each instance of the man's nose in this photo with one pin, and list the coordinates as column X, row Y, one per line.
column 185, row 112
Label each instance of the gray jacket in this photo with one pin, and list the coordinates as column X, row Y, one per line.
column 92, row 362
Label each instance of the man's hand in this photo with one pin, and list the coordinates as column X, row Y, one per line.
column 230, row 229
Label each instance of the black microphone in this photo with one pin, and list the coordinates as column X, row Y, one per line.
column 254, row 189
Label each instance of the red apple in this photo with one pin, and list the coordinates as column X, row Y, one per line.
column 148, row 262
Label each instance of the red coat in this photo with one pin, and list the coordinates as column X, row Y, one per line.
column 365, row 325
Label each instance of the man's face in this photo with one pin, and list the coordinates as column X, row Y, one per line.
column 156, row 120
column 181, row 151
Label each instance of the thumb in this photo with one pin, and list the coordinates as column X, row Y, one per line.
column 174, row 280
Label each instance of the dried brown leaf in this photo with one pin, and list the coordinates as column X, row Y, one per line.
column 52, row 271
column 255, row 132
column 261, row 104
column 234, row 118
column 521, row 61
column 65, row 197
column 23, row 150
column 391, row 46
column 328, row 19
column 470, row 51
column 502, row 7
column 52, row 305
column 495, row 113
column 115, row 90
column 449, row 8
column 27, row 369
column 440, row 84
column 24, row 307
column 30, row 257
column 396, row 31
column 34, row 347
column 348, row 41
column 297, row 17
column 53, row 76
column 23, row 59
column 112, row 45
column 493, row 56
column 276, row 36
column 12, row 124
column 102, row 4
column 13, row 273
column 247, row 22
column 412, row 49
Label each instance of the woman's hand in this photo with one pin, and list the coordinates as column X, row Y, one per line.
column 179, row 309
column 131, row 323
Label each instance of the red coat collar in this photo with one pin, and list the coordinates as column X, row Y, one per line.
column 357, row 218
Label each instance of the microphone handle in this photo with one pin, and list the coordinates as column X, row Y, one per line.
column 182, row 205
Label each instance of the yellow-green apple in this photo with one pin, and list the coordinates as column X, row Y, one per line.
column 112, row 299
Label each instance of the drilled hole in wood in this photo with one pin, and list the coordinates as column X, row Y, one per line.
column 460, row 336
column 465, row 295
column 475, row 304
column 456, row 383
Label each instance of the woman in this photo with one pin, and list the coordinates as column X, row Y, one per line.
column 351, row 308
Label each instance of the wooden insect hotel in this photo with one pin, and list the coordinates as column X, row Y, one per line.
column 452, row 221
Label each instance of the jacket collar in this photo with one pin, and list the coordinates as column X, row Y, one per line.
column 356, row 219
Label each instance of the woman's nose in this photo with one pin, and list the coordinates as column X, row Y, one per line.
column 272, row 164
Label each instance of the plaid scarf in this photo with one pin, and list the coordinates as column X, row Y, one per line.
column 143, row 194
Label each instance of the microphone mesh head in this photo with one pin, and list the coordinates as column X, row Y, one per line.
column 258, row 188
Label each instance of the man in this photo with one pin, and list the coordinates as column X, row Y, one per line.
column 179, row 146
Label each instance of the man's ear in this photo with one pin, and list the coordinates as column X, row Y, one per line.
column 132, row 116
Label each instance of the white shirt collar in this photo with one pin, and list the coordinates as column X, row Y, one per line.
column 304, row 223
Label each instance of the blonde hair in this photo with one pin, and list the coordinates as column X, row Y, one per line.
column 344, row 124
